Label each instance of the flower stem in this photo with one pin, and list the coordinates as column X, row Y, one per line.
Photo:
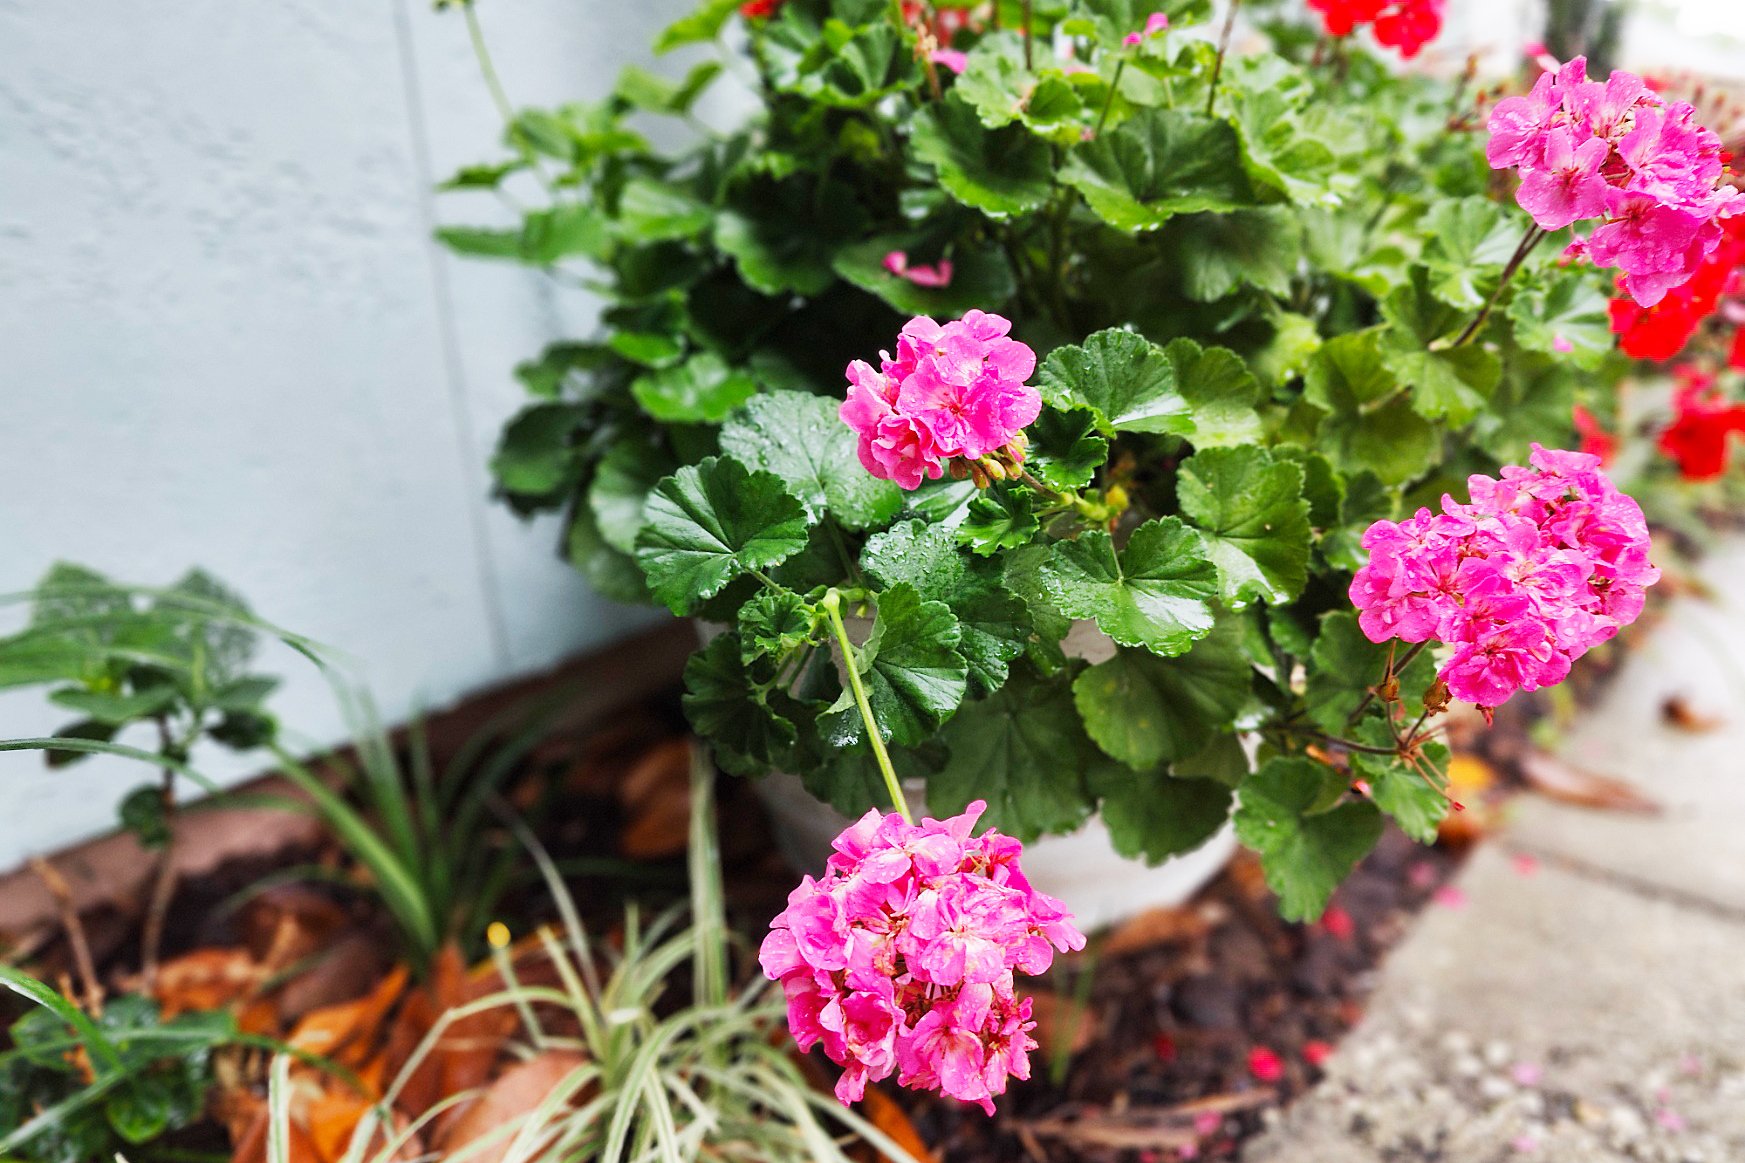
column 1393, row 668
column 832, row 604
column 1109, row 97
column 1029, row 63
column 1531, row 239
column 492, row 82
column 1218, row 61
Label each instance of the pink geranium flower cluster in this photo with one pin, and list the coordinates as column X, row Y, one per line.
column 1543, row 564
column 954, row 391
column 1617, row 152
column 902, row 957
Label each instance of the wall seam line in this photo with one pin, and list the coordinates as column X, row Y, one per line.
column 455, row 379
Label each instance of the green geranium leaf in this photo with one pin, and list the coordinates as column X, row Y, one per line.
column 1570, row 312
column 655, row 211
column 563, row 231
column 701, row 388
column 1449, row 385
column 1155, row 593
column 995, row 622
column 1401, row 792
column 1469, row 241
column 775, row 622
column 1250, row 506
column 726, row 702
column 1221, row 393
column 1344, row 664
column 784, row 236
column 1257, row 248
column 994, row 81
column 1153, row 815
column 1305, row 856
column 914, row 676
column 622, row 481
column 1221, row 760
column 1065, row 450
column 613, row 573
column 1371, row 424
column 999, row 518
column 1144, row 710
column 1157, row 164
column 710, row 522
column 1125, row 380
column 980, row 277
column 1024, row 752
column 536, row 455
column 1000, row 172
column 704, row 24
column 800, row 438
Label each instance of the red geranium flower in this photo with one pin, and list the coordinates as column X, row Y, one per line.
column 1703, row 419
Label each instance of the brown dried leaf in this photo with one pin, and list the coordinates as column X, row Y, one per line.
column 1551, row 776
column 1678, row 712
column 660, row 827
column 515, row 1093
column 206, row 979
column 252, row 1146
column 341, row 970
column 348, row 1031
column 1162, row 925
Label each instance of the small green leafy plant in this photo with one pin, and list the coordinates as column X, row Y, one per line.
column 175, row 660
column 712, row 1079
column 76, row 1087
column 1275, row 298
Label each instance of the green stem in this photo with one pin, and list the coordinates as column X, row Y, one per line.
column 1109, row 97
column 1393, row 668
column 492, row 82
column 1218, row 61
column 832, row 604
column 1531, row 239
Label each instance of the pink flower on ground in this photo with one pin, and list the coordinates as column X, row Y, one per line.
column 902, row 958
column 1541, row 566
column 954, row 391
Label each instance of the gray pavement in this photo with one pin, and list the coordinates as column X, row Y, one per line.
column 1582, row 997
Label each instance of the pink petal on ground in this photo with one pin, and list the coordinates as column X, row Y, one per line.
column 1525, row 1073
column 1451, row 897
column 1526, row 864
column 1670, row 1119
column 1265, row 1065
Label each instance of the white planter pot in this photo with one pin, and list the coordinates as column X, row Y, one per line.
column 1082, row 869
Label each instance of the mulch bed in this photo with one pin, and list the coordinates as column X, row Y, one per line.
column 1173, row 1036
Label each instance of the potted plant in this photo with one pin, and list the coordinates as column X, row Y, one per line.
column 1220, row 315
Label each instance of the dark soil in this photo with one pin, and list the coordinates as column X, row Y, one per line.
column 1172, row 1038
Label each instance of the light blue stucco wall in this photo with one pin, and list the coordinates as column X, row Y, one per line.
column 226, row 339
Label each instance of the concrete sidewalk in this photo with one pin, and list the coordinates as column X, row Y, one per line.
column 1582, row 996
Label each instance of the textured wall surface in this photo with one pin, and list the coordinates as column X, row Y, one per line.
column 229, row 341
